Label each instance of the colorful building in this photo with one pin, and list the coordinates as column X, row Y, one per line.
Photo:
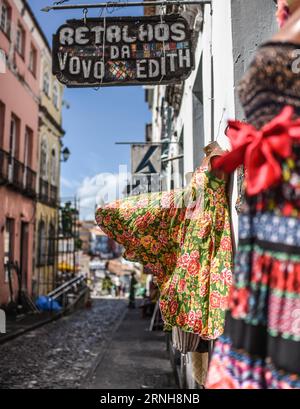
column 30, row 144
column 48, row 174
column 19, row 112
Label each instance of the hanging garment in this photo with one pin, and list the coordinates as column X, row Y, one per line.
column 199, row 367
column 183, row 237
column 260, row 348
column 186, row 342
column 183, row 341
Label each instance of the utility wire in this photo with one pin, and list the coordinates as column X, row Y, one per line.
column 58, row 3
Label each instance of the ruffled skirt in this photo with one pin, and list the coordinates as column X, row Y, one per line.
column 261, row 345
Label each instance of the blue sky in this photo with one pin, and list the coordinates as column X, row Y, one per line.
column 94, row 122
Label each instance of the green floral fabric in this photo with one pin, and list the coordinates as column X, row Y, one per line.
column 183, row 237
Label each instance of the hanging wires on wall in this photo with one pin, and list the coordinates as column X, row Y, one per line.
column 220, row 123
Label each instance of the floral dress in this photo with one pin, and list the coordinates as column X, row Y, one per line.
column 183, row 237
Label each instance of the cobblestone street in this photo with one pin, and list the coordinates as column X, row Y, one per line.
column 60, row 354
column 107, row 346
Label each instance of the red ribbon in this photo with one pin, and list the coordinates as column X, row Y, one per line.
column 260, row 150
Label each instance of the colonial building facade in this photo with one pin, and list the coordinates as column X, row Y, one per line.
column 50, row 141
column 19, row 111
column 30, row 136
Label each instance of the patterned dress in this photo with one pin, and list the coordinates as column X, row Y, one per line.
column 183, row 237
column 260, row 348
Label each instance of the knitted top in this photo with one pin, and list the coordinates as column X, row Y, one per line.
column 271, row 82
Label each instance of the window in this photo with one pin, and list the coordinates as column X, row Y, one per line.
column 28, row 147
column 2, row 62
column 20, row 40
column 41, row 247
column 13, row 147
column 5, row 18
column 44, row 160
column 51, row 245
column 53, row 167
column 56, row 96
column 46, row 83
column 8, row 244
column 14, row 137
column 27, row 155
column 2, row 120
column 33, row 59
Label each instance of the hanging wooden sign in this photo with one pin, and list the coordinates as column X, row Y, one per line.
column 123, row 51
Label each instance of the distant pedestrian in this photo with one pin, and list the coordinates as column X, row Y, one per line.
column 133, row 283
column 123, row 290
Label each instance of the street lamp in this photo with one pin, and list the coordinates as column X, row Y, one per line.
column 65, row 155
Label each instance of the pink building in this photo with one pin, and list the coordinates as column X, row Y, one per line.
column 19, row 113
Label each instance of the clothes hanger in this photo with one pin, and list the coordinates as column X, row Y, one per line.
column 213, row 148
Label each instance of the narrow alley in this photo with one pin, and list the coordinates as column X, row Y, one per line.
column 69, row 353
column 149, row 198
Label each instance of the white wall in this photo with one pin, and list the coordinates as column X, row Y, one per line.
column 223, row 84
column 214, row 45
column 185, row 118
column 159, row 92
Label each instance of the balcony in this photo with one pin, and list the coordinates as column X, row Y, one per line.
column 48, row 194
column 53, row 195
column 44, row 191
column 15, row 174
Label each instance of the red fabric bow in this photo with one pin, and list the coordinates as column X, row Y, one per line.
column 259, row 150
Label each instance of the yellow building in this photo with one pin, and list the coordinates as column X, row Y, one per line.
column 48, row 178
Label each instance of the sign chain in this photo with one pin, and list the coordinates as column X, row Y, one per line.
column 85, row 12
column 103, row 11
column 164, row 48
column 104, row 40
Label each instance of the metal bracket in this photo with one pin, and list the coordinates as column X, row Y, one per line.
column 126, row 4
